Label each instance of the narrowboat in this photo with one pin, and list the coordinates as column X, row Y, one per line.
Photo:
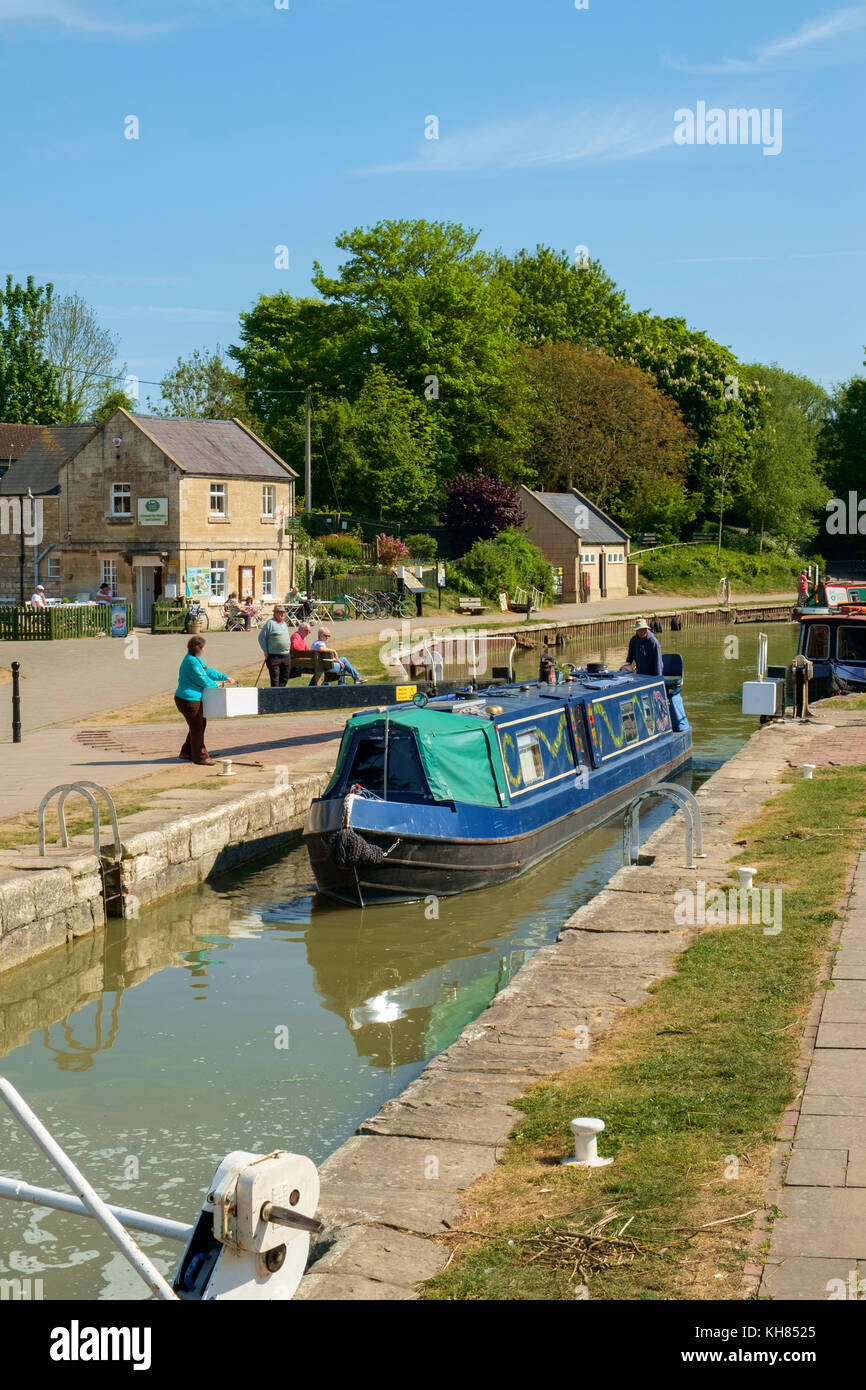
column 834, row 641
column 467, row 790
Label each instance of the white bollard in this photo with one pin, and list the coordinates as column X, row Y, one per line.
column 808, row 769
column 226, row 769
column 586, row 1132
column 745, row 876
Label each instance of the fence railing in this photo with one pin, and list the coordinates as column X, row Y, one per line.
column 60, row 621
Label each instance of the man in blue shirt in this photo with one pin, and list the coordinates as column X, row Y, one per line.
column 644, row 652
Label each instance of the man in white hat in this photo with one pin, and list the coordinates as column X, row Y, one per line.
column 644, row 653
column 37, row 598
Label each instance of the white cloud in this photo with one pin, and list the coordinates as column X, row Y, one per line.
column 158, row 313
column 815, row 40
column 78, row 19
column 544, row 139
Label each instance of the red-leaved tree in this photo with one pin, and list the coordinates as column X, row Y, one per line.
column 479, row 507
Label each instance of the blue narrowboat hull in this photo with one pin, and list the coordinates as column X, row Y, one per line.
column 425, row 847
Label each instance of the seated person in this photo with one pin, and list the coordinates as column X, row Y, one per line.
column 248, row 608
column 103, row 594
column 340, row 663
column 235, row 612
column 299, row 602
column 37, row 598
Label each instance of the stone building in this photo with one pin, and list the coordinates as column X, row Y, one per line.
column 153, row 507
column 586, row 547
column 14, row 439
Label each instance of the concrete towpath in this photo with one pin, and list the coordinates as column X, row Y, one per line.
column 75, row 680
column 818, row 1243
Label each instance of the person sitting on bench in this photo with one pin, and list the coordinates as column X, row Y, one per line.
column 322, row 644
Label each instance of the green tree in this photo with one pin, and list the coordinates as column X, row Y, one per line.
column 82, row 354
column 562, row 299
column 842, row 441
column 115, row 400
column 29, row 390
column 204, row 387
column 728, row 458
column 789, row 489
column 509, row 561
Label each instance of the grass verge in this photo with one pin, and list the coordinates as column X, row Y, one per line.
column 695, row 570
column 690, row 1085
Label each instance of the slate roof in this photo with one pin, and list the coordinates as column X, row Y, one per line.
column 215, row 448
column 14, row 440
column 36, row 468
column 601, row 529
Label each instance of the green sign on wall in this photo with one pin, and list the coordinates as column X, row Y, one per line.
column 153, row 511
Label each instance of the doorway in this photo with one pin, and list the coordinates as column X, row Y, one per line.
column 146, row 589
column 602, row 574
column 246, row 581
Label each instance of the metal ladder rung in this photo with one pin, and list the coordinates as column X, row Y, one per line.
column 85, row 789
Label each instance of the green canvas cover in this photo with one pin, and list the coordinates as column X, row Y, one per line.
column 459, row 753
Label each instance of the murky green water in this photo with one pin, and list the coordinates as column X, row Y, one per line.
column 153, row 1050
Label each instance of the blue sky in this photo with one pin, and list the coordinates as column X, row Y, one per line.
column 261, row 126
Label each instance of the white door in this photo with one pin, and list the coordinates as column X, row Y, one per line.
column 143, row 595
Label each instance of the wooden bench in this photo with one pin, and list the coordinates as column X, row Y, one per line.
column 316, row 665
column 470, row 605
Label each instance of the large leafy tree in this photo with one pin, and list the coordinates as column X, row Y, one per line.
column 602, row 426
column 414, row 297
column 82, row 354
column 789, row 490
column 563, row 299
column 29, row 389
column 478, row 507
column 842, row 442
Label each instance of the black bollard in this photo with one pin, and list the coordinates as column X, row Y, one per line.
column 16, row 703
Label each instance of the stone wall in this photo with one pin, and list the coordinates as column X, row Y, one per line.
column 44, row 908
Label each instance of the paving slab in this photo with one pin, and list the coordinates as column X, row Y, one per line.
column 364, row 1251
column 829, row 1222
column 845, row 1003
column 837, row 1071
column 839, row 1035
column 340, row 1288
column 809, row 1279
column 817, row 1168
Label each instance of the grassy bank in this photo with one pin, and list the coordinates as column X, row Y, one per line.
column 696, row 570
column 691, row 1086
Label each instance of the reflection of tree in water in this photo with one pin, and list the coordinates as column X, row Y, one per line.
column 78, row 1056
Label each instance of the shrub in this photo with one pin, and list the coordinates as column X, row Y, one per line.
column 509, row 561
column 422, row 547
column 343, row 547
column 390, row 549
column 479, row 507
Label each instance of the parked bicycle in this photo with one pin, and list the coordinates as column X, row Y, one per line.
column 196, row 614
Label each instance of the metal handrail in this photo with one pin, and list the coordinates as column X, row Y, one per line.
column 64, row 788
column 687, row 803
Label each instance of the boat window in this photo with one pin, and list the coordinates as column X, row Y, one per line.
column 629, row 722
column 529, row 753
column 818, row 643
column 851, row 643
column 646, row 705
column 405, row 774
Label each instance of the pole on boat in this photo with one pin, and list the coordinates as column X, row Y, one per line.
column 89, row 1197
column 385, row 763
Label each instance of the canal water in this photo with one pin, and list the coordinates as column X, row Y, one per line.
column 249, row 1015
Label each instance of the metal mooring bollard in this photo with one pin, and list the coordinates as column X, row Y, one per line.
column 586, row 1132
column 745, row 876
column 16, row 702
column 226, row 769
column 808, row 769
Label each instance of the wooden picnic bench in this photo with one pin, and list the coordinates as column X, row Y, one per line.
column 470, row 605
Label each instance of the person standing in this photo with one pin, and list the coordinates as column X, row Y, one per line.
column 802, row 589
column 276, row 641
column 193, row 679
column 644, row 652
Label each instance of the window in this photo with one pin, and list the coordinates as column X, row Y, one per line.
column 109, row 574
column 121, row 499
column 53, row 566
column 629, row 723
column 615, row 557
column 818, row 643
column 218, row 578
column 646, row 706
column 267, row 578
column 269, row 500
column 405, row 774
column 588, row 558
column 851, row 644
column 531, row 766
column 218, row 499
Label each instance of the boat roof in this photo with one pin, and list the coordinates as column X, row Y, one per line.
column 531, row 696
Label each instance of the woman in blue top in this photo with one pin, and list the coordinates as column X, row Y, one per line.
column 193, row 679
